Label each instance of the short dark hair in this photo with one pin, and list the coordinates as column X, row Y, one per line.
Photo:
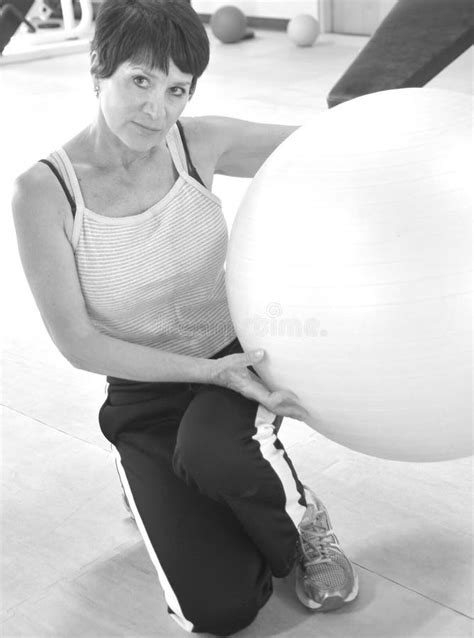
column 149, row 32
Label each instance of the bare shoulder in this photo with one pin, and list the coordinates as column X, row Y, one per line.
column 38, row 196
column 202, row 134
column 211, row 137
column 237, row 147
column 33, row 178
column 36, row 182
column 203, row 143
column 213, row 131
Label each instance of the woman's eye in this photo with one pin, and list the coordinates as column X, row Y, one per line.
column 178, row 91
column 141, row 81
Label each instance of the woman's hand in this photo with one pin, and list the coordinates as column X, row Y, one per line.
column 232, row 372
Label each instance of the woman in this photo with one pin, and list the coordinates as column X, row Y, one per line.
column 123, row 244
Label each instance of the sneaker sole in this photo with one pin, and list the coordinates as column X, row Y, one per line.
column 330, row 603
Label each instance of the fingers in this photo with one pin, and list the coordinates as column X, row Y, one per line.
column 246, row 359
column 290, row 409
column 280, row 402
column 254, row 356
column 285, row 396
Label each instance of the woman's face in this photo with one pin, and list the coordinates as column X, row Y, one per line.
column 140, row 104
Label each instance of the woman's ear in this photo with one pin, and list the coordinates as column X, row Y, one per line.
column 93, row 63
column 94, row 59
column 93, row 68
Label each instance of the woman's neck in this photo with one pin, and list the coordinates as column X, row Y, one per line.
column 108, row 150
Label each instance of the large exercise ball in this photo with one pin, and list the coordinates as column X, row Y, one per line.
column 229, row 24
column 350, row 263
column 303, row 30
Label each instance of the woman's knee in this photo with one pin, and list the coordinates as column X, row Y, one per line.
column 226, row 617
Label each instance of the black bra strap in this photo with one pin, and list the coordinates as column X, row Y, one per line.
column 63, row 184
column 191, row 169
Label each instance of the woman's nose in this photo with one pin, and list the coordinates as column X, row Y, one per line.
column 155, row 106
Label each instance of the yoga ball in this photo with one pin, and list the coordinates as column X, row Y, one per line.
column 228, row 24
column 349, row 263
column 303, row 30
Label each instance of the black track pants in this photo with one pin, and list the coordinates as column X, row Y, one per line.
column 214, row 495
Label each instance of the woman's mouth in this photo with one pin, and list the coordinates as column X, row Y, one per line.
column 147, row 128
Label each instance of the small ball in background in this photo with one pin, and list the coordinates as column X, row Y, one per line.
column 303, row 30
column 229, row 24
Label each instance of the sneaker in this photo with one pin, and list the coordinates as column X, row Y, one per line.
column 325, row 578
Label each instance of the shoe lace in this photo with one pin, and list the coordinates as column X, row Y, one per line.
column 316, row 543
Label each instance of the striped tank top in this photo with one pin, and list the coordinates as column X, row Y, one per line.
column 156, row 278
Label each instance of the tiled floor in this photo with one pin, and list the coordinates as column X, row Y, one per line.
column 74, row 564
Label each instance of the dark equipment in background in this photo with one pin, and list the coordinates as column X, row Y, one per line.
column 415, row 42
column 72, row 20
column 12, row 14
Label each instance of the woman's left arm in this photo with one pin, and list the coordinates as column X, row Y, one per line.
column 238, row 147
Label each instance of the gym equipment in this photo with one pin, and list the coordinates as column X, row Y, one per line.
column 351, row 268
column 229, row 25
column 12, row 14
column 303, row 30
column 40, row 13
column 48, row 37
column 415, row 42
column 72, row 30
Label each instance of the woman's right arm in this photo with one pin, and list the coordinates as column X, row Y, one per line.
column 43, row 223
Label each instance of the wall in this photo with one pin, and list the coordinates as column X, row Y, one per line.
column 359, row 17
column 261, row 8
